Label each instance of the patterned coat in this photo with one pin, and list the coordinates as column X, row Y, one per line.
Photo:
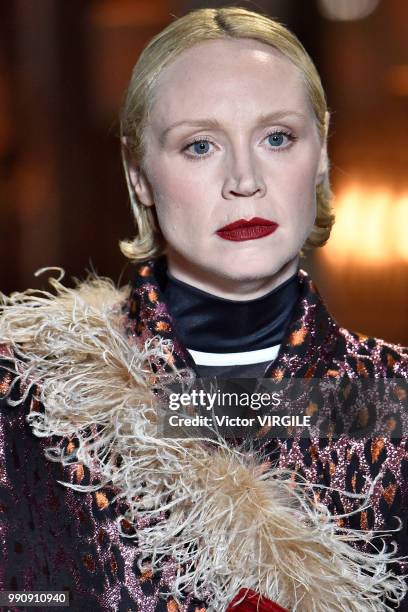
column 59, row 538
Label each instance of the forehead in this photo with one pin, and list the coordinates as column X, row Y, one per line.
column 226, row 75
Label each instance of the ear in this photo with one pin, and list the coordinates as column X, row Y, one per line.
column 323, row 167
column 137, row 177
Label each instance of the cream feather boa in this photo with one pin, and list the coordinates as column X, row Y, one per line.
column 234, row 521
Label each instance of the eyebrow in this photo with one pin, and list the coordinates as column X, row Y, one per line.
column 215, row 124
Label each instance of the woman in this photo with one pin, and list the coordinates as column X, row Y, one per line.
column 224, row 134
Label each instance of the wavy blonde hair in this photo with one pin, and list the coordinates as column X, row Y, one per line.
column 193, row 28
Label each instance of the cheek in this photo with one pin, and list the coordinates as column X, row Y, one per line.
column 299, row 182
column 295, row 194
column 186, row 187
column 180, row 203
column 171, row 186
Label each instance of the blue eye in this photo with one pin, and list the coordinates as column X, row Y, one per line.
column 201, row 147
column 277, row 139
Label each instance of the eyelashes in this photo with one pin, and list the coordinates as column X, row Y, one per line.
column 277, row 141
column 276, row 138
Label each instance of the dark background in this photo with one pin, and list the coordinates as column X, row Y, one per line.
column 64, row 67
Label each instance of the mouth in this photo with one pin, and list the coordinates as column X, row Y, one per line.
column 244, row 229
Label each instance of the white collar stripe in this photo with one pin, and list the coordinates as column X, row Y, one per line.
column 230, row 359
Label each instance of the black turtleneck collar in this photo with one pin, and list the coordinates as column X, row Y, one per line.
column 208, row 323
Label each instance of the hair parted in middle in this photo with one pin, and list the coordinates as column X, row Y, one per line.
column 193, row 28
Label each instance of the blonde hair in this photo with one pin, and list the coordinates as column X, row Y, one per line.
column 193, row 28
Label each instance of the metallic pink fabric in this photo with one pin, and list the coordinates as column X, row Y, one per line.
column 53, row 538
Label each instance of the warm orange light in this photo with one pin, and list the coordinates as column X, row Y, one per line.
column 401, row 226
column 371, row 227
column 397, row 80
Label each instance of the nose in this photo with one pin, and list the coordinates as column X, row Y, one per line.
column 243, row 177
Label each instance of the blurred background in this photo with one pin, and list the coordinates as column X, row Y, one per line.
column 64, row 67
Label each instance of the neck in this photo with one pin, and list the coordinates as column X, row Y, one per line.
column 226, row 287
column 210, row 323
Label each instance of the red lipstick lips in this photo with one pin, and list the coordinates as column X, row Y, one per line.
column 244, row 229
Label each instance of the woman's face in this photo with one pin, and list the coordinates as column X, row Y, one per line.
column 232, row 137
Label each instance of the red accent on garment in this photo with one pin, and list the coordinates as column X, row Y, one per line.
column 253, row 602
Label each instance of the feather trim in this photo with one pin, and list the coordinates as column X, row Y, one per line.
column 229, row 520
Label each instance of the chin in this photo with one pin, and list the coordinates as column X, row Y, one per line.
column 248, row 269
column 262, row 265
